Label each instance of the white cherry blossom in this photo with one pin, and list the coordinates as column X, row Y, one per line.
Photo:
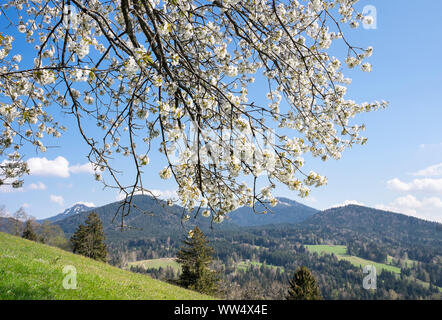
column 177, row 75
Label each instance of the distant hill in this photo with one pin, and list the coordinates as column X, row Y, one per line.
column 414, row 246
column 151, row 218
column 385, row 226
column 8, row 224
column 152, row 223
column 76, row 209
column 35, row 271
column 148, row 218
column 286, row 211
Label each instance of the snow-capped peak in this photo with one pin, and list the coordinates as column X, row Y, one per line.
column 74, row 210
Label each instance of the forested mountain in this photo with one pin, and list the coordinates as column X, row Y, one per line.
column 257, row 260
column 286, row 211
column 357, row 225
column 149, row 213
column 148, row 218
column 386, row 226
column 74, row 210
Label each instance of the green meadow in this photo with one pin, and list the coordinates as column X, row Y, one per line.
column 30, row 270
column 341, row 253
column 157, row 263
column 243, row 265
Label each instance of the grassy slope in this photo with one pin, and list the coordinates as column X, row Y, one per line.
column 363, row 262
column 243, row 265
column 170, row 262
column 30, row 270
column 157, row 263
column 341, row 253
column 321, row 249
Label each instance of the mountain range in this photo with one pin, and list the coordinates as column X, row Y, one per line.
column 152, row 218
column 282, row 238
column 75, row 209
column 286, row 211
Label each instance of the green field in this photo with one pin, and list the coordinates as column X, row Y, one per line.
column 157, row 263
column 327, row 249
column 170, row 262
column 425, row 284
column 243, row 265
column 363, row 262
column 409, row 263
column 341, row 253
column 30, row 270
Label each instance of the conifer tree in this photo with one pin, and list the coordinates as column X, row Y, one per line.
column 88, row 239
column 78, row 239
column 28, row 232
column 195, row 258
column 303, row 286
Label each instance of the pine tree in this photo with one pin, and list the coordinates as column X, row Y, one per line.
column 195, row 258
column 88, row 239
column 303, row 286
column 78, row 240
column 28, row 232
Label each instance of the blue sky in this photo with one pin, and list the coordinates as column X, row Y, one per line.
column 399, row 169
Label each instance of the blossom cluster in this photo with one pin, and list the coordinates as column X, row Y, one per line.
column 178, row 72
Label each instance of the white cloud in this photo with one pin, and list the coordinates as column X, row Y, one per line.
column 430, row 145
column 310, row 199
column 408, row 201
column 120, row 196
column 397, row 184
column 82, row 168
column 433, row 201
column 393, row 208
column 57, row 199
column 6, row 188
column 431, row 171
column 37, row 186
column 427, row 208
column 58, row 167
column 162, row 194
column 87, row 204
column 426, row 184
column 348, row 202
column 165, row 194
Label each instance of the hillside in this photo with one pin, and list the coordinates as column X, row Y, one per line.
column 409, row 248
column 30, row 270
column 148, row 218
column 153, row 218
column 155, row 230
column 370, row 223
column 9, row 225
column 72, row 211
column 286, row 211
